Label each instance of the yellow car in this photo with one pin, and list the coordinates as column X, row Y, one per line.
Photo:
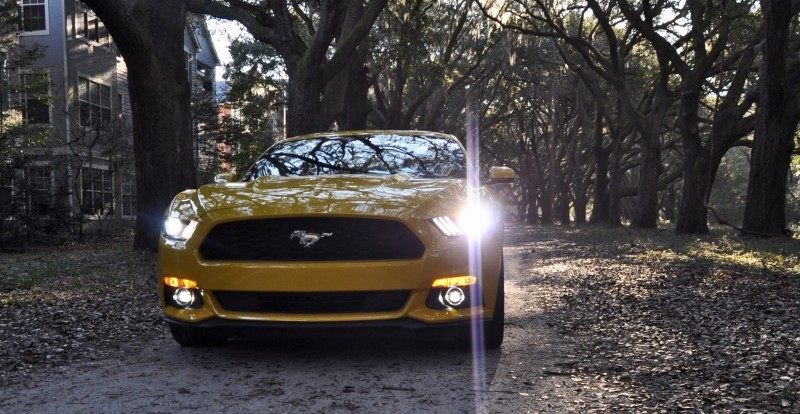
column 340, row 229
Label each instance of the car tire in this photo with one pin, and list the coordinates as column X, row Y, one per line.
column 195, row 337
column 493, row 330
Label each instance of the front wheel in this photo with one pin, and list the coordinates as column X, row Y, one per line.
column 195, row 337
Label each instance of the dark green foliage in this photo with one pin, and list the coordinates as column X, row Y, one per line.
column 25, row 212
column 255, row 97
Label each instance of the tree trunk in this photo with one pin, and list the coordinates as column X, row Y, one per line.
column 532, row 212
column 564, row 205
column 646, row 213
column 346, row 100
column 150, row 38
column 614, row 187
column 312, row 59
column 600, row 209
column 776, row 120
column 304, row 115
column 731, row 121
column 548, row 195
column 692, row 215
column 356, row 107
column 581, row 201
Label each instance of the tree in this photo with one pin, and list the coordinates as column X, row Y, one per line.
column 149, row 37
column 421, row 54
column 253, row 95
column 777, row 117
column 318, row 42
column 18, row 198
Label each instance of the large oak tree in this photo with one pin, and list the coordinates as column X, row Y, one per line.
column 149, row 37
column 777, row 117
column 319, row 43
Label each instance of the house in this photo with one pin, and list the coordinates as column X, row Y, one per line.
column 86, row 164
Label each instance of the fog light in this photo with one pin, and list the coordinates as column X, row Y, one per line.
column 454, row 296
column 183, row 297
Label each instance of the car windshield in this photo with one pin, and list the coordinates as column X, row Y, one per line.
column 417, row 155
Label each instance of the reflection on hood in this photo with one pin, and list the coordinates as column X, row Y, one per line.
column 393, row 195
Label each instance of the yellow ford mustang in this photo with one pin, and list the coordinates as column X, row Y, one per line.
column 350, row 229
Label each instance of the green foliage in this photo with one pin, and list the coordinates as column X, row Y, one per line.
column 730, row 187
column 793, row 197
column 205, row 115
column 18, row 216
column 256, row 83
column 422, row 57
column 725, row 252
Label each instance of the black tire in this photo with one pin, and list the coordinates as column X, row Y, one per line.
column 493, row 330
column 195, row 337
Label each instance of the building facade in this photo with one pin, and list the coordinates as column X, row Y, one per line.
column 86, row 165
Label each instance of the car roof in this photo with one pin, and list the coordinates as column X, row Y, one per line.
column 371, row 132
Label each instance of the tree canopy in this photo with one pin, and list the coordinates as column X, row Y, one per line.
column 609, row 111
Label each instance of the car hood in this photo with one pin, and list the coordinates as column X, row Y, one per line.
column 396, row 195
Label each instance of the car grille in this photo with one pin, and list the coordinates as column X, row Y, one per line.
column 313, row 302
column 350, row 239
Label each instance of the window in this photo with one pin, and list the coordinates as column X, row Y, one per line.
column 34, row 16
column 95, row 103
column 34, row 97
column 128, row 193
column 88, row 26
column 98, row 191
column 40, row 184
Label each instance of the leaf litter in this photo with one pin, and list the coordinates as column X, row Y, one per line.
column 657, row 322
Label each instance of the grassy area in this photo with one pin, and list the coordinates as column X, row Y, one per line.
column 723, row 248
column 74, row 267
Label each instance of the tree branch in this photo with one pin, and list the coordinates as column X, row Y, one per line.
column 346, row 45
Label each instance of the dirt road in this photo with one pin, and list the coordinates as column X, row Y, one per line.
column 311, row 374
column 597, row 320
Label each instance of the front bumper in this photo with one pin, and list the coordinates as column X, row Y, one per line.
column 399, row 328
column 443, row 258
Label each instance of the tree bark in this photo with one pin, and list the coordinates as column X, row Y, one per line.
column 646, row 213
column 306, row 46
column 600, row 209
column 532, row 212
column 150, row 38
column 692, row 215
column 776, row 120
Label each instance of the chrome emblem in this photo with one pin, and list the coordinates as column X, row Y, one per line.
column 308, row 239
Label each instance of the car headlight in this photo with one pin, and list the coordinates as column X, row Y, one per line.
column 177, row 229
column 471, row 220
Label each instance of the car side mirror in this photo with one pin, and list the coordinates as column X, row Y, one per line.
column 501, row 175
column 225, row 177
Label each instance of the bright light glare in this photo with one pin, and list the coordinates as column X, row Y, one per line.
column 173, row 226
column 476, row 219
column 178, row 229
column 473, row 220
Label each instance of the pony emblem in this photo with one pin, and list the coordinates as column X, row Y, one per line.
column 308, row 239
